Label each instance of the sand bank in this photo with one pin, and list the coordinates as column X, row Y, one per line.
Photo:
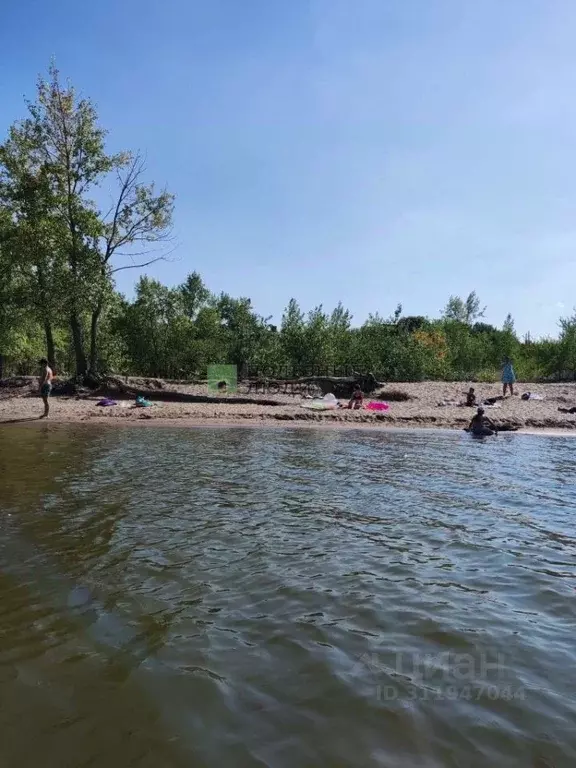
column 423, row 410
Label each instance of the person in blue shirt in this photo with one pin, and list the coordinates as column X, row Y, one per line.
column 508, row 376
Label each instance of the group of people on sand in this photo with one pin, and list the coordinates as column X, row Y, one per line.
column 356, row 401
column 508, row 381
column 481, row 425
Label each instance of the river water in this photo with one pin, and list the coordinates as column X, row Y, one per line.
column 286, row 598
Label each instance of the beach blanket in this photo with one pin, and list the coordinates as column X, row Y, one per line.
column 320, row 405
column 377, row 406
column 327, row 403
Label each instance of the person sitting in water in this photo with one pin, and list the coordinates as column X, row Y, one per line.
column 508, row 376
column 481, row 425
column 357, row 398
column 470, row 398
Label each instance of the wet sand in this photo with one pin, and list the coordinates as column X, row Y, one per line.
column 423, row 410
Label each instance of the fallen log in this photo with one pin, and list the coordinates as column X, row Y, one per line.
column 115, row 388
column 292, row 387
column 340, row 386
column 18, row 382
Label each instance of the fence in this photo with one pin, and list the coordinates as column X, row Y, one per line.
column 293, row 372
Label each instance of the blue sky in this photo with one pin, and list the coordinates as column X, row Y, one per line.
column 369, row 151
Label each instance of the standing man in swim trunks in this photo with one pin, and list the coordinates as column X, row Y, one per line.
column 45, row 384
column 508, row 376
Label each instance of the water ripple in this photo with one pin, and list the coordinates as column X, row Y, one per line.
column 286, row 598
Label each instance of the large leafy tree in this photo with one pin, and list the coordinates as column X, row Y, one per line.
column 464, row 310
column 9, row 316
column 33, row 235
column 138, row 220
column 339, row 326
column 244, row 330
column 52, row 164
column 20, row 338
column 155, row 329
column 566, row 360
column 292, row 339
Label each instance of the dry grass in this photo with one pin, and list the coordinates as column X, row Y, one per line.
column 394, row 396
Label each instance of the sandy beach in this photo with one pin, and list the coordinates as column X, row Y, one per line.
column 422, row 410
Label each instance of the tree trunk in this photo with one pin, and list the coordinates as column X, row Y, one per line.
column 94, row 338
column 78, row 340
column 50, row 347
column 1, row 366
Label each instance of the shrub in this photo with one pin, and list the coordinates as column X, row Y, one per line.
column 487, row 376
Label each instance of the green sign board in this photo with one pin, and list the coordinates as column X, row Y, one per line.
column 222, row 379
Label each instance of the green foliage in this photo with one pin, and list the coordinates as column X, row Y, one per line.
column 59, row 254
column 50, row 166
column 292, row 336
column 508, row 326
column 566, row 359
column 487, row 375
column 414, row 323
column 464, row 310
column 177, row 332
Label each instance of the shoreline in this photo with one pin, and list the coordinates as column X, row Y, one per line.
column 427, row 405
column 269, row 423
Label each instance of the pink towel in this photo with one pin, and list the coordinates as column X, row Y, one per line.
column 377, row 406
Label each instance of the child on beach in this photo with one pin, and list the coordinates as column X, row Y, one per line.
column 357, row 398
column 508, row 376
column 45, row 385
column 471, row 398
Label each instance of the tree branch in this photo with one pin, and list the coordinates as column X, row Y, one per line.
column 137, row 266
column 127, row 185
